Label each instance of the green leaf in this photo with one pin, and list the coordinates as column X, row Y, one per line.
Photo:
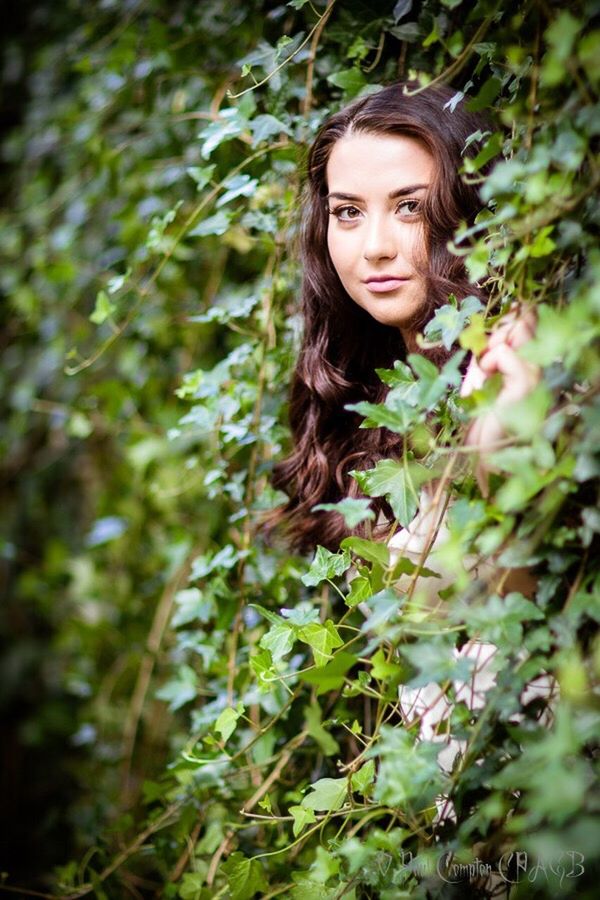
column 302, row 818
column 353, row 510
column 474, row 337
column 409, row 773
column 398, row 417
column 245, row 877
column 279, row 640
column 322, row 639
column 384, row 670
column 364, row 778
column 561, row 35
column 324, row 866
column 351, row 81
column 265, row 126
column 326, row 565
column 398, row 482
column 192, row 606
column 312, row 723
column 371, row 551
column 227, row 721
column 201, row 175
column 191, row 887
column 382, row 607
column 226, row 128
column 486, row 96
column 327, row 794
column 180, row 690
column 542, row 245
column 360, row 590
column 330, row 677
column 448, row 321
column 270, row 616
column 104, row 308
column 217, row 224
column 238, row 186
column 262, row 666
column 501, row 619
column 266, row 804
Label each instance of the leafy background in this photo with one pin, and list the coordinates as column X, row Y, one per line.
column 187, row 711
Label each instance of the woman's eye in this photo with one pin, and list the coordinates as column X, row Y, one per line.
column 409, row 207
column 346, row 213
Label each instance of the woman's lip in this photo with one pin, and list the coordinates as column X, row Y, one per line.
column 382, row 285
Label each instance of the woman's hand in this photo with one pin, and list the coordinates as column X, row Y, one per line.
column 519, row 377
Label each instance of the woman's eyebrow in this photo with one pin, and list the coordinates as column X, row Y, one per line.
column 400, row 192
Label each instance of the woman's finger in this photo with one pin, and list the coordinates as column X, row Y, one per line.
column 520, row 376
column 473, row 380
column 513, row 331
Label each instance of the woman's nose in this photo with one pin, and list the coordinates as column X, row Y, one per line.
column 380, row 242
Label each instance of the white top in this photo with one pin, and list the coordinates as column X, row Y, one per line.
column 428, row 705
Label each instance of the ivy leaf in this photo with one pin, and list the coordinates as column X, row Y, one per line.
column 449, row 320
column 486, row 96
column 262, row 666
column 201, row 175
column 384, row 670
column 353, row 510
column 436, row 661
column 180, row 690
column 360, row 590
column 474, row 337
column 433, row 384
column 227, row 721
column 326, row 565
column 400, row 375
column 192, row 606
column 362, row 780
column 322, row 639
column 238, row 186
column 491, row 148
column 266, row 126
column 302, row 614
column 394, row 414
column 104, row 308
column 351, row 81
column 330, row 677
column 266, row 804
column 192, row 886
column 407, row 774
column 314, row 726
column 217, row 224
column 279, row 640
column 401, row 9
column 245, row 877
column 302, row 818
column 405, row 566
column 382, row 607
column 501, row 619
column 371, row 551
column 227, row 127
column 270, row 616
column 327, row 794
column 398, row 482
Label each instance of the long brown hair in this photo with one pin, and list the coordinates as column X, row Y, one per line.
column 342, row 343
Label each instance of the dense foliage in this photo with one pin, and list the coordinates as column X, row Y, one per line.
column 193, row 712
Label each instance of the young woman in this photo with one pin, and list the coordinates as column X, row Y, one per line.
column 383, row 199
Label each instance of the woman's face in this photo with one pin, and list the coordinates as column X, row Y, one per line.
column 376, row 184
